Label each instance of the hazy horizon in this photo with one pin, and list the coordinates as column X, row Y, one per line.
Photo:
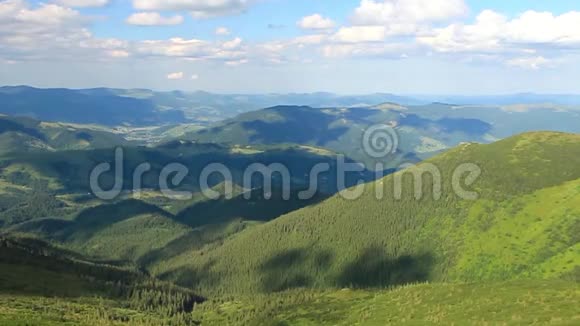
column 411, row 94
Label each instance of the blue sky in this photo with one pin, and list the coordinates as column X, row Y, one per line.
column 253, row 24
column 257, row 46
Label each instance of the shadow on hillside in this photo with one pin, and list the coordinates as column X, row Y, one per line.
column 193, row 277
column 313, row 126
column 254, row 209
column 92, row 220
column 190, row 241
column 286, row 271
column 473, row 127
column 374, row 268
column 282, row 272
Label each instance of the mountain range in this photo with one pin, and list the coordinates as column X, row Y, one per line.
column 420, row 131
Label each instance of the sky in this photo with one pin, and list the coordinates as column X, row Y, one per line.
column 459, row 47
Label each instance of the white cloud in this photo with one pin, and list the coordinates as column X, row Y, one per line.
column 82, row 3
column 405, row 17
column 493, row 32
column 358, row 34
column 194, row 77
column 386, row 29
column 237, row 62
column 192, row 49
column 44, row 16
column 533, row 63
column 222, row 31
column 197, row 8
column 545, row 27
column 310, row 39
column 153, row 19
column 118, row 54
column 46, row 30
column 384, row 50
column 316, row 22
column 479, row 37
column 233, row 44
column 376, row 23
column 175, row 75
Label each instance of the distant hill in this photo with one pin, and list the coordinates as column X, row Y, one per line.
column 509, row 99
column 143, row 107
column 65, row 105
column 524, row 225
column 21, row 134
column 422, row 131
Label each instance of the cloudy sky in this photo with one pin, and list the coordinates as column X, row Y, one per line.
column 256, row 46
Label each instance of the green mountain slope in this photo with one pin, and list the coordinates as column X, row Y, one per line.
column 20, row 134
column 523, row 226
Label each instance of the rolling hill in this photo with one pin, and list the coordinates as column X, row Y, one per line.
column 524, row 225
column 69, row 171
column 421, row 130
column 21, row 134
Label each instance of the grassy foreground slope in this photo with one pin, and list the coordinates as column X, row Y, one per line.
column 524, row 225
column 44, row 285
column 506, row 303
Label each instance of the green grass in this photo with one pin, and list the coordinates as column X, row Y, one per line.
column 547, row 302
column 505, row 303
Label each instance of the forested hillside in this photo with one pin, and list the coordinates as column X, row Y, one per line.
column 524, row 225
